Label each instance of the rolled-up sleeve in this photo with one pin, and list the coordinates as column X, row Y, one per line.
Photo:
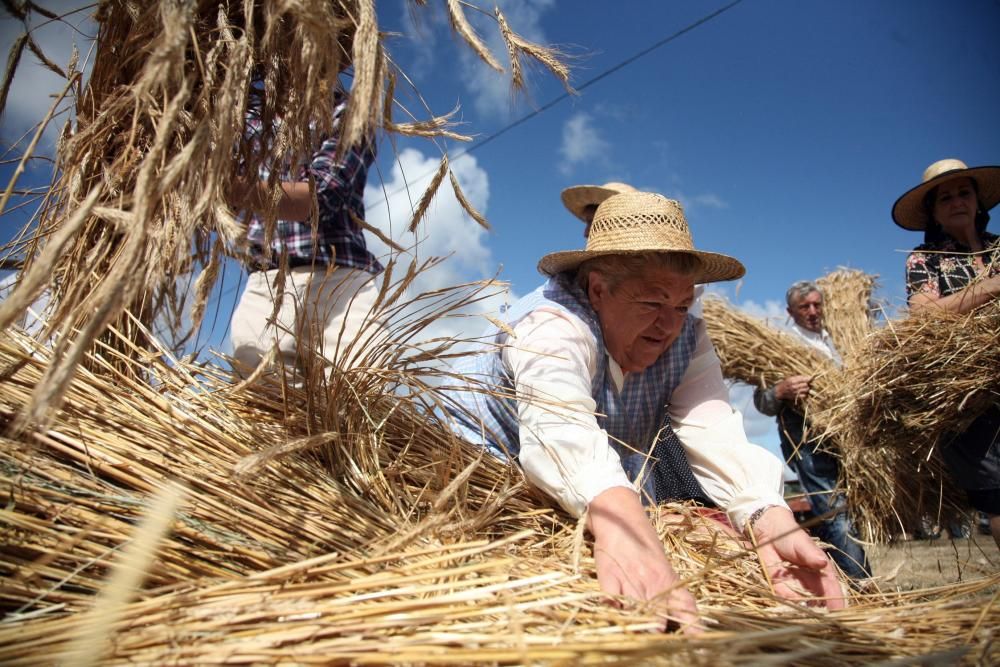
column 563, row 451
column 738, row 475
column 766, row 401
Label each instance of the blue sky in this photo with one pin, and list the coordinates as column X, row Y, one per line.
column 786, row 128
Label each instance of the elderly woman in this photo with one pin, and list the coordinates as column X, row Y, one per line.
column 609, row 395
column 957, row 268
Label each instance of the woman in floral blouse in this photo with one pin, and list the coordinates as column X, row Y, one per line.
column 957, row 268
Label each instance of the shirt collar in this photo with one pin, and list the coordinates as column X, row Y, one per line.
column 617, row 374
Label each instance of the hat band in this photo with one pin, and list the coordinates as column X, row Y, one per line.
column 638, row 239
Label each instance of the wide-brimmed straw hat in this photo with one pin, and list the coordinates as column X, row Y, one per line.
column 579, row 197
column 640, row 222
column 909, row 213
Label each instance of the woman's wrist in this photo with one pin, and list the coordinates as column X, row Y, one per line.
column 756, row 516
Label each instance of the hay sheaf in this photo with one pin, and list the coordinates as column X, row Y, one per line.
column 760, row 355
column 146, row 172
column 848, row 309
column 912, row 385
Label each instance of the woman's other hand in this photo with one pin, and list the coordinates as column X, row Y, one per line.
column 797, row 568
column 631, row 561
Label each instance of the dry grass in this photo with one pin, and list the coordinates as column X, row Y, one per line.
column 378, row 538
column 157, row 144
column 848, row 309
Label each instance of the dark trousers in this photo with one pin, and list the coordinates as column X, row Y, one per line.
column 818, row 473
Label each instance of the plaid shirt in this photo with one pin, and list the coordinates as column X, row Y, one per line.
column 340, row 188
column 943, row 268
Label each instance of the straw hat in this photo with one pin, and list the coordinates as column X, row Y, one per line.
column 909, row 213
column 579, row 197
column 637, row 222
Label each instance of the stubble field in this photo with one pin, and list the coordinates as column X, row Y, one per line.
column 912, row 564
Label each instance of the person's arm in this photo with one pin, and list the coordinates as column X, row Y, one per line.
column 766, row 401
column 744, row 479
column 630, row 560
column 968, row 299
column 797, row 568
column 923, row 274
column 739, row 476
column 340, row 180
column 564, row 452
column 295, row 201
column 791, row 389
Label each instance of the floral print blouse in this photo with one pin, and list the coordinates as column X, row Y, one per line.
column 943, row 268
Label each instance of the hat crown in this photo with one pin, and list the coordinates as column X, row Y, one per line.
column 942, row 167
column 618, row 187
column 634, row 221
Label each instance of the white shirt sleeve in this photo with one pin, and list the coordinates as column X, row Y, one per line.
column 739, row 476
column 553, row 359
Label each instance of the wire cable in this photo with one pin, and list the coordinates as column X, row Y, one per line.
column 603, row 75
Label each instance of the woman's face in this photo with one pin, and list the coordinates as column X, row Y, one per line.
column 642, row 316
column 955, row 206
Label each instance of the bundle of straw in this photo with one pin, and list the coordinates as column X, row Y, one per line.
column 847, row 309
column 902, row 392
column 760, row 355
column 144, row 175
column 913, row 385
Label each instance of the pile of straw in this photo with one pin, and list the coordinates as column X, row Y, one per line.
column 422, row 551
column 913, row 385
column 156, row 512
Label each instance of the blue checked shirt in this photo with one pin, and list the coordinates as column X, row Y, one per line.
column 340, row 187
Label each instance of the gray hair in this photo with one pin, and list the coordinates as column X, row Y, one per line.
column 616, row 268
column 801, row 290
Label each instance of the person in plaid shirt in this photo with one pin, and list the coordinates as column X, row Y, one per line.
column 331, row 282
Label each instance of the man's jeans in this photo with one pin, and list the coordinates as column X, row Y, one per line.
column 817, row 473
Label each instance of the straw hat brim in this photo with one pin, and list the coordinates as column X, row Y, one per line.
column 577, row 198
column 908, row 211
column 715, row 267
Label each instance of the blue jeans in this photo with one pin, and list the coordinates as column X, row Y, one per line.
column 817, row 473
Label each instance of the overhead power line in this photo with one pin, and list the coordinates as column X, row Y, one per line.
column 603, row 75
column 586, row 84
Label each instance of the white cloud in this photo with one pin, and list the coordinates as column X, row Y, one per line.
column 692, row 202
column 35, row 86
column 709, row 201
column 772, row 311
column 581, row 142
column 446, row 231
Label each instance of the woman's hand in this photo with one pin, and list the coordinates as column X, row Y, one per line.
column 630, row 559
column 797, row 568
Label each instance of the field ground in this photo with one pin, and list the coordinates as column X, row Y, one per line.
column 925, row 563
